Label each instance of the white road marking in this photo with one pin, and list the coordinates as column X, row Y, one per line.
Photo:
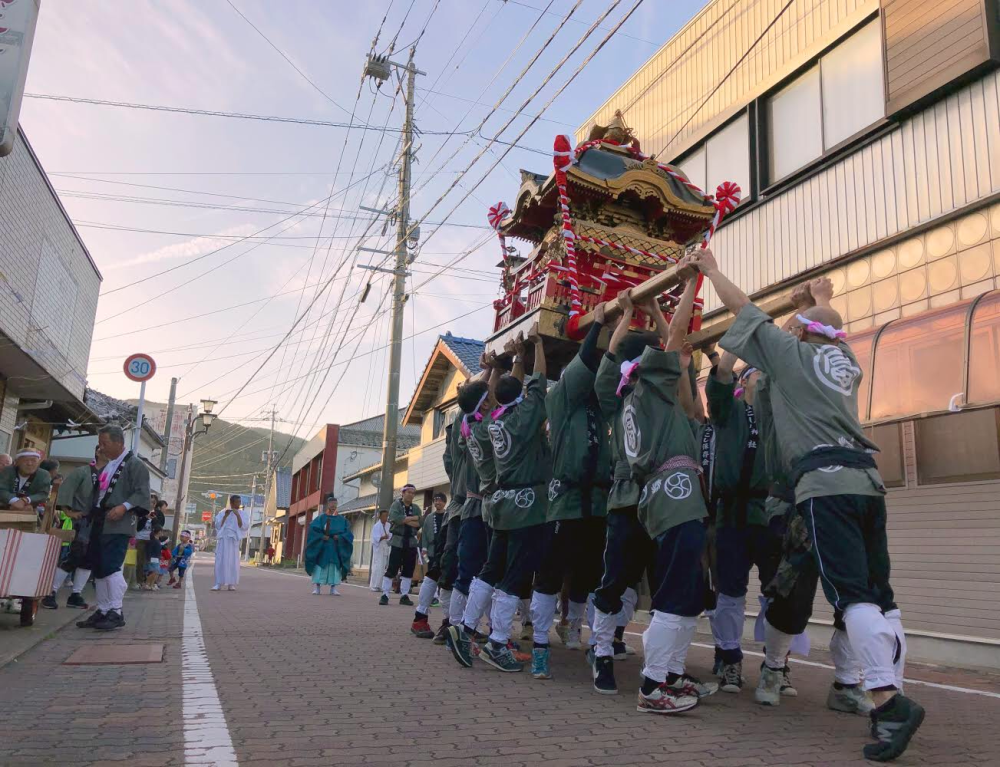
column 206, row 735
column 935, row 685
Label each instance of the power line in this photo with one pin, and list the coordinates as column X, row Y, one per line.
column 283, row 55
column 581, row 21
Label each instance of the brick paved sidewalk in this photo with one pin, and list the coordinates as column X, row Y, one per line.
column 321, row 680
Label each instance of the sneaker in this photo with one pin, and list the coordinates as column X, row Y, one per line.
column 562, row 631
column 573, row 639
column 515, row 650
column 442, row 633
column 603, row 672
column 217, row 587
column 405, row 600
column 665, row 700
column 620, row 650
column 717, row 668
column 480, row 639
column 334, row 592
column 527, row 632
column 849, row 700
column 90, row 621
column 893, row 723
column 787, row 688
column 112, row 620
column 540, row 663
column 435, row 602
column 76, row 600
column 422, row 629
column 768, row 692
column 731, row 677
column 231, row 588
column 689, row 685
column 49, row 602
column 460, row 646
column 383, row 600
column 501, row 658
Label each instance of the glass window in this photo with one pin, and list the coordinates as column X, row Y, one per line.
column 889, row 459
column 694, row 168
column 729, row 156
column 918, row 363
column 984, row 351
column 861, row 345
column 958, row 447
column 794, row 117
column 853, row 96
column 840, row 96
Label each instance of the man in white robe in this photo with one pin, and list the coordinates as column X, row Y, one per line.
column 380, row 550
column 230, row 528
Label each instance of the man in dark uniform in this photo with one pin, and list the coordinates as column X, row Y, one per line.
column 404, row 518
column 431, row 541
column 578, row 496
column 839, row 494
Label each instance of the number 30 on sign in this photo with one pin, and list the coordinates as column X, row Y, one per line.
column 140, row 367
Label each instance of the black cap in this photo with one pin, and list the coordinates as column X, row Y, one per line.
column 442, row 496
column 330, row 497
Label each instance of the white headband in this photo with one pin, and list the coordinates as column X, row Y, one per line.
column 812, row 326
column 27, row 453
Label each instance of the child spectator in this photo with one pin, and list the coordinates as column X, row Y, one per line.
column 153, row 547
column 182, row 554
column 165, row 558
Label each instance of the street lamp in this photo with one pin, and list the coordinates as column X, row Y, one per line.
column 191, row 432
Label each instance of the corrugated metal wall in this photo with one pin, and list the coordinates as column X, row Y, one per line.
column 939, row 160
column 662, row 96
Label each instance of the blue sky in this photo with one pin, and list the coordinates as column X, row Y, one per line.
column 177, row 175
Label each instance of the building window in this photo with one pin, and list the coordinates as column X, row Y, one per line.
column 827, row 104
column 861, row 345
column 725, row 156
column 889, row 459
column 958, row 447
column 984, row 350
column 918, row 363
column 5, row 441
column 441, row 420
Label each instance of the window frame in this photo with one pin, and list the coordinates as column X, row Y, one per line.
column 954, row 479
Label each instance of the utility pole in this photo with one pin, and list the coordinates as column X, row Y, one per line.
column 378, row 68
column 169, row 424
column 246, row 541
column 268, row 482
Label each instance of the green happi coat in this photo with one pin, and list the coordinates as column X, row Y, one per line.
column 624, row 489
column 814, row 399
column 455, row 465
column 777, row 472
column 37, row 488
column 481, row 471
column 521, row 455
column 77, row 490
column 656, row 429
column 732, row 433
column 429, row 536
column 581, row 456
column 403, row 536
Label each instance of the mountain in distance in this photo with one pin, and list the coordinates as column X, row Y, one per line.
column 229, row 454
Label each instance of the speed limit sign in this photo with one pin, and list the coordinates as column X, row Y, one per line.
column 140, row 367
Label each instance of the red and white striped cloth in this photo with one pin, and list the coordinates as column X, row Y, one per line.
column 27, row 563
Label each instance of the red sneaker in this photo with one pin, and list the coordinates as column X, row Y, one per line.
column 520, row 657
column 665, row 700
column 422, row 629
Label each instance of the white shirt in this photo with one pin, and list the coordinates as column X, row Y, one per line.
column 109, row 472
column 230, row 528
column 378, row 531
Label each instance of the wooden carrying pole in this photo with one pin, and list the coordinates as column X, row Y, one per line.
column 710, row 335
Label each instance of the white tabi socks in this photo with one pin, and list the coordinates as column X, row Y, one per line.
column 445, row 598
column 426, row 596
column 629, row 600
column 603, row 634
column 386, row 586
column 895, row 618
column 846, row 668
column 457, row 607
column 59, row 578
column 116, row 589
column 80, row 578
column 874, row 641
column 543, row 614
column 480, row 594
column 665, row 644
column 727, row 623
column 502, row 616
column 776, row 646
column 103, row 590
column 404, row 586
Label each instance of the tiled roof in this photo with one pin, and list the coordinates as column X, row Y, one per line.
column 468, row 350
column 368, row 433
column 116, row 411
column 283, row 488
column 363, row 503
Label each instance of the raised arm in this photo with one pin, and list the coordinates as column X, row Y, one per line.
column 520, row 349
column 536, row 339
column 724, row 370
column 682, row 317
column 684, row 394
column 621, row 329
column 734, row 298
